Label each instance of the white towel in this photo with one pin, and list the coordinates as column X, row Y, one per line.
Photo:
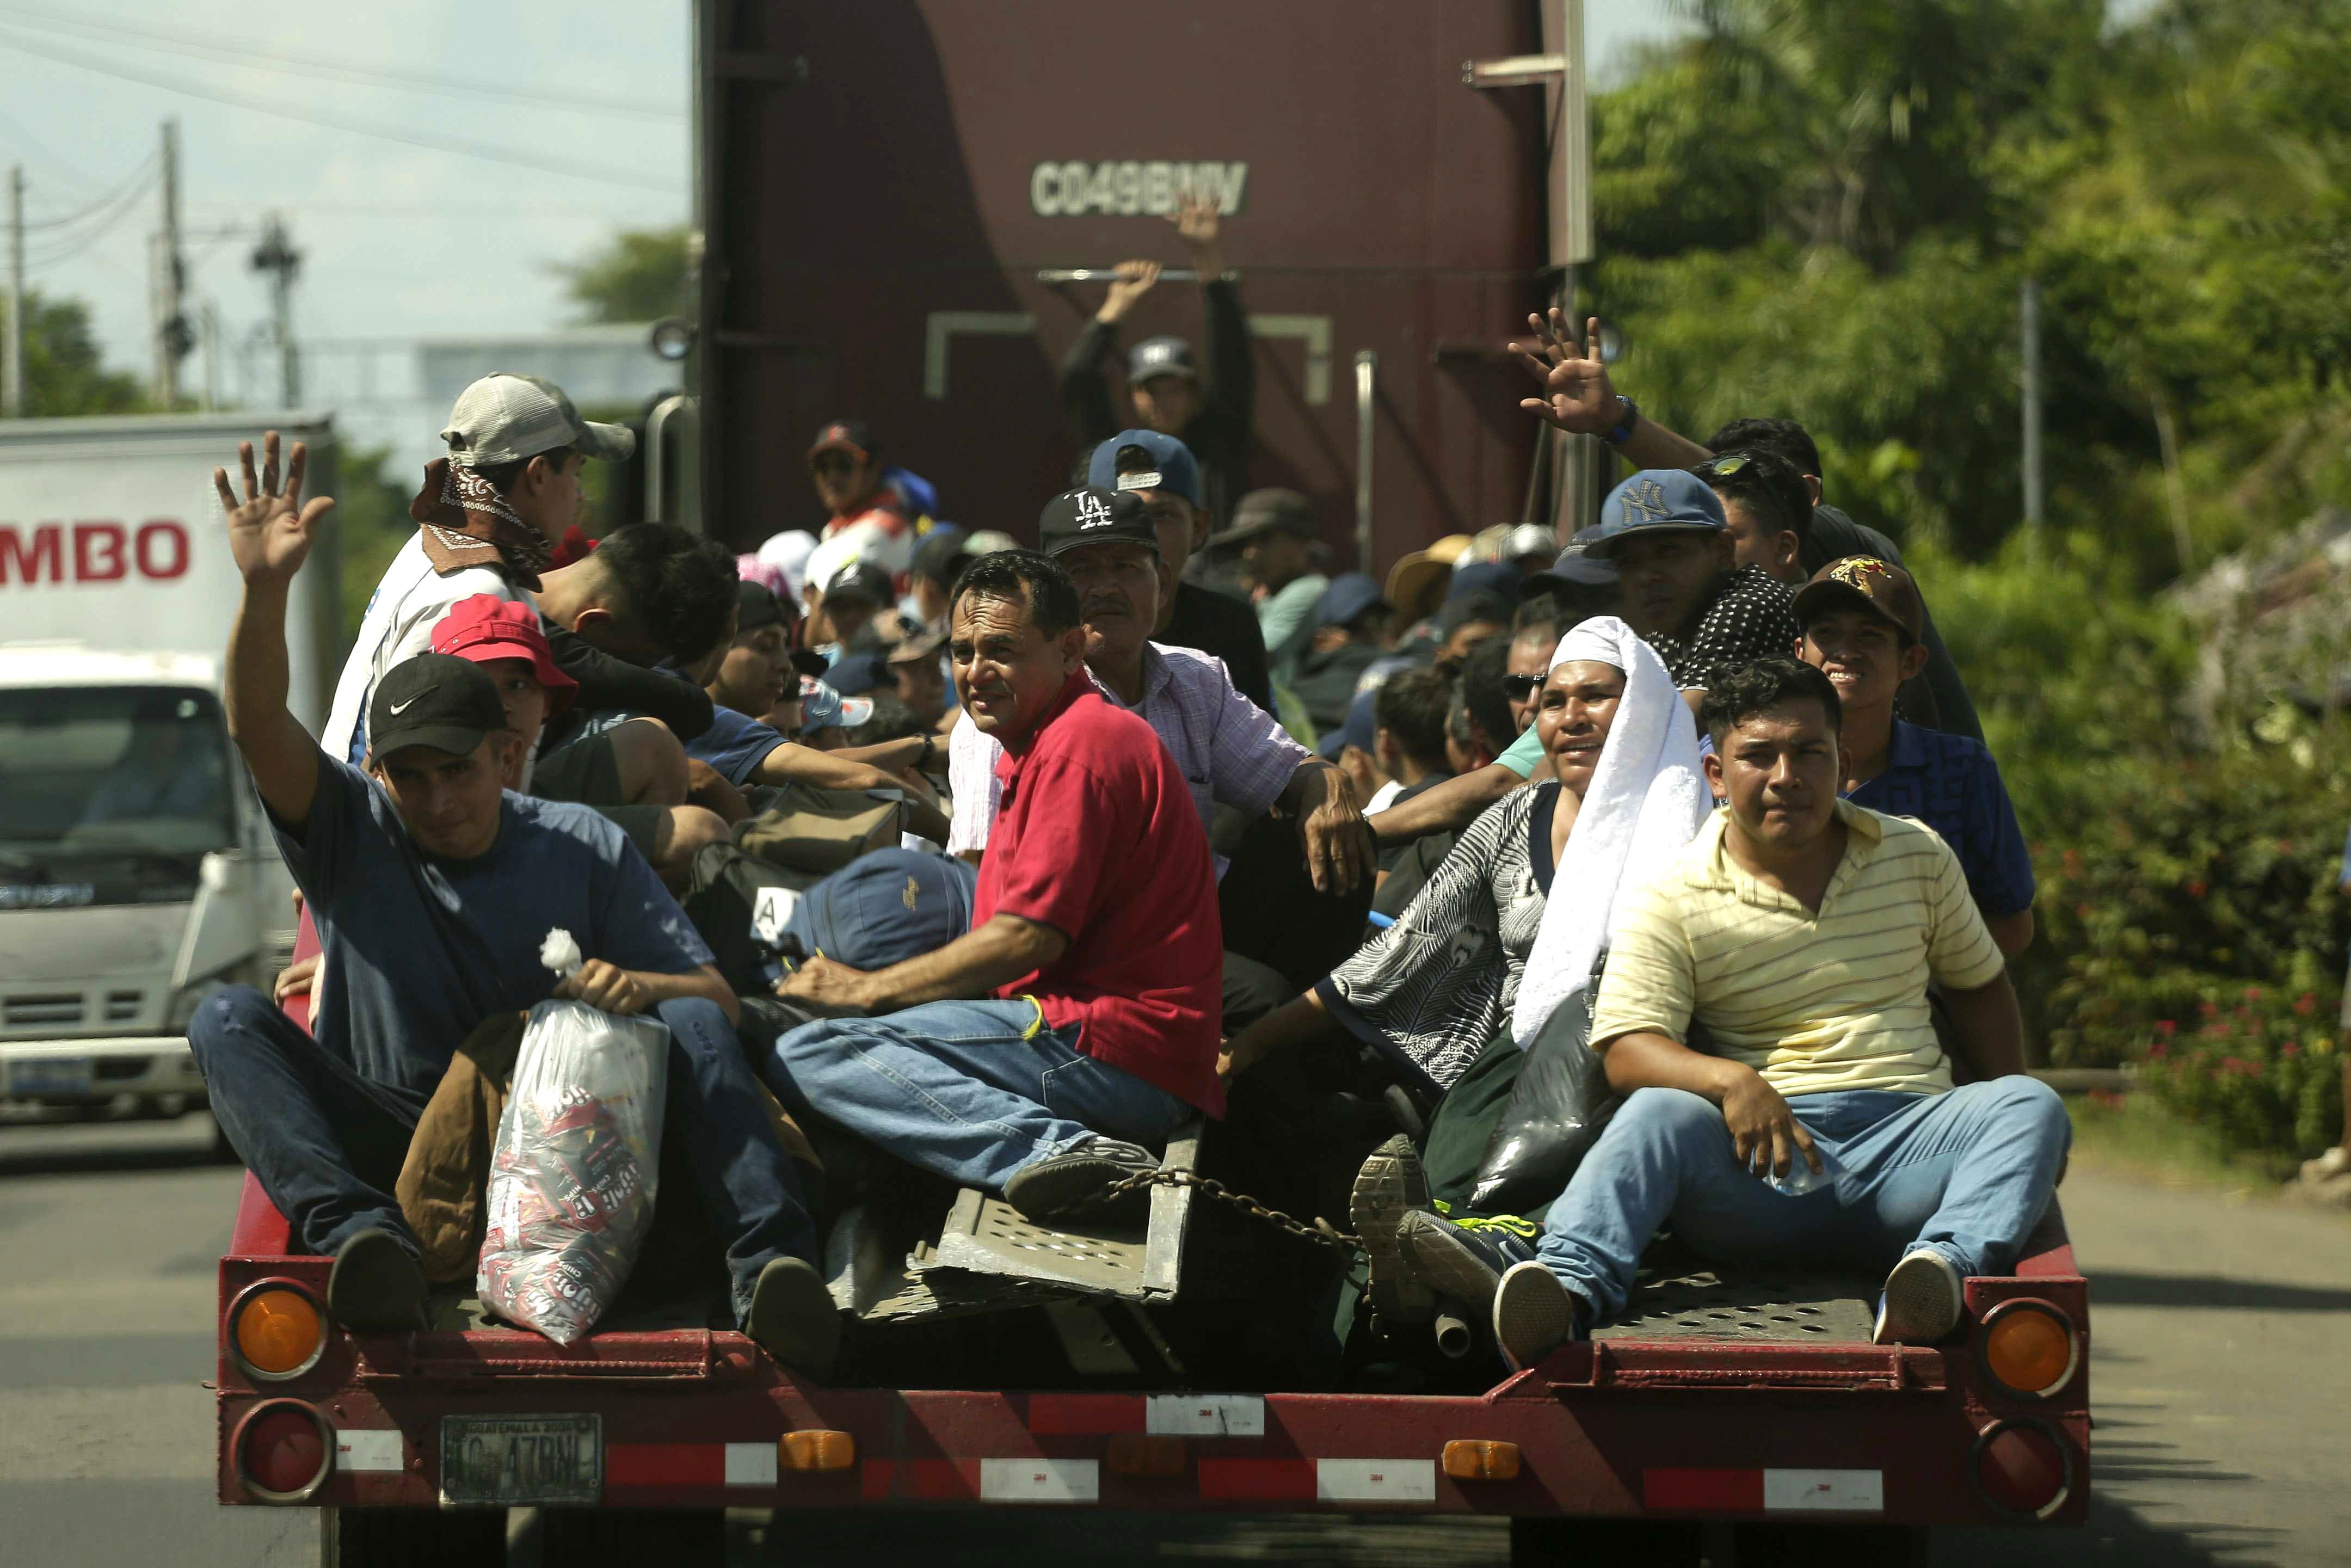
column 1647, row 800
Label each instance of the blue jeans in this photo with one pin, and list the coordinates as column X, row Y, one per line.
column 970, row 1091
column 327, row 1144
column 1966, row 1173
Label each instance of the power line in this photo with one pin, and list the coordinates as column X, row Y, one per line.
column 261, row 105
column 65, row 247
column 171, row 41
column 135, row 183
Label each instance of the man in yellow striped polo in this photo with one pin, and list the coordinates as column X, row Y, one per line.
column 1801, row 932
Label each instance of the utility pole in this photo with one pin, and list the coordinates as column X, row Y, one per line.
column 276, row 256
column 2028, row 310
column 12, row 359
column 208, row 334
column 172, row 339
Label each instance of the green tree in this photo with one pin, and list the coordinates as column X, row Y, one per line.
column 64, row 371
column 372, row 510
column 642, row 276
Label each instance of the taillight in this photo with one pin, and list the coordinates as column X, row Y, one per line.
column 2029, row 1347
column 284, row 1451
column 275, row 1331
column 2023, row 1466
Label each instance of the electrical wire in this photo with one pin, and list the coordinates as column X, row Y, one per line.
column 65, row 247
column 261, row 105
column 175, row 42
column 137, row 184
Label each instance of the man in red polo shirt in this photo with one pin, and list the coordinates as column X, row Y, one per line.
column 1076, row 1025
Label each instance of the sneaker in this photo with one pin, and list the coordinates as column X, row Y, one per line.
column 1534, row 1314
column 2333, row 1163
column 1465, row 1259
column 793, row 1318
column 377, row 1284
column 1921, row 1302
column 1079, row 1177
column 1389, row 1188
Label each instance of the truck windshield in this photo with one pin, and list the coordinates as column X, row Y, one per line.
column 100, row 771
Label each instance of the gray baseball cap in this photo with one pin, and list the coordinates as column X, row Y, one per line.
column 505, row 417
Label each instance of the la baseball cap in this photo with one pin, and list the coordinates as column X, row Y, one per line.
column 483, row 627
column 1263, row 511
column 1088, row 515
column 435, row 700
column 1865, row 582
column 854, row 435
column 1155, row 357
column 505, row 417
column 1657, row 500
column 1158, row 463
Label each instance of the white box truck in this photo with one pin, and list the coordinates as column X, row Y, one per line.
column 137, row 874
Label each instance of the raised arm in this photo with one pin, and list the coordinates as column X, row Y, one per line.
column 1229, row 367
column 792, row 763
column 1579, row 398
column 1085, row 390
column 1454, row 804
column 269, row 535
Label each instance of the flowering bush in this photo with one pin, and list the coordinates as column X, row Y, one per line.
column 2260, row 1070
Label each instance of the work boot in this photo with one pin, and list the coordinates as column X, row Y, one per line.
column 793, row 1317
column 1921, row 1302
column 1463, row 1258
column 1390, row 1188
column 376, row 1285
column 1079, row 1179
column 1534, row 1314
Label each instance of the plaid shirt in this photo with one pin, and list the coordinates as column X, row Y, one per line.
column 1232, row 752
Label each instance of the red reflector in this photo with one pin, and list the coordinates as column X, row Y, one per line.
column 2022, row 1470
column 1740, row 1491
column 283, row 1450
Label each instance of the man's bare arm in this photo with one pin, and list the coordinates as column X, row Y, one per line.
column 1764, row 1133
column 971, row 965
column 1337, row 856
column 1578, row 397
column 269, row 535
column 792, row 763
column 1454, row 804
column 1991, row 1028
column 2012, row 933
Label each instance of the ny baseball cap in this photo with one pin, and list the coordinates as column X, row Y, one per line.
column 1657, row 500
column 505, row 417
column 854, row 435
column 1264, row 511
column 1155, row 357
column 1157, row 461
column 437, row 700
column 1350, row 595
column 483, row 627
column 1865, row 582
column 1088, row 515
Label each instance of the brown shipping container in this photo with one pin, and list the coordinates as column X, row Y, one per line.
column 885, row 179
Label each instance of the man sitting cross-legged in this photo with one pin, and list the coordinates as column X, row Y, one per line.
column 1078, row 1019
column 432, row 890
column 1801, row 930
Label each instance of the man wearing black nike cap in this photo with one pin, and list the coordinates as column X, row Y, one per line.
column 432, row 889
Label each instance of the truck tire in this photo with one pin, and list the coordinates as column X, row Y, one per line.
column 1605, row 1543
column 404, row 1536
column 628, row 1537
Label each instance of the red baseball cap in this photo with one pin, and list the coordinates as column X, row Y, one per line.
column 485, row 627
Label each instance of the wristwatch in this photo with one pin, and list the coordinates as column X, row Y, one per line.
column 930, row 749
column 1628, row 415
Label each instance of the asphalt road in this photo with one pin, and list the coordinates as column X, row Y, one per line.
column 2221, row 1380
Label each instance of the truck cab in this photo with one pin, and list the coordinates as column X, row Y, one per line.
column 136, row 875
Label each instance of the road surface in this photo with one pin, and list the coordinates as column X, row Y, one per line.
column 2220, row 1368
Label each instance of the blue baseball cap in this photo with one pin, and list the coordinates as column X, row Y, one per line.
column 885, row 907
column 1351, row 595
column 1657, row 500
column 1155, row 357
column 1499, row 577
column 1165, row 464
column 1576, row 565
column 855, row 674
column 1355, row 730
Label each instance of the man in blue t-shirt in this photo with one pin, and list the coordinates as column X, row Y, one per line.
column 432, row 890
column 1862, row 627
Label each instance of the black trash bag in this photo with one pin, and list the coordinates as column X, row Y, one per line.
column 1557, row 1111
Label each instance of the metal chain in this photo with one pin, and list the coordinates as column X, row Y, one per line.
column 1321, row 1232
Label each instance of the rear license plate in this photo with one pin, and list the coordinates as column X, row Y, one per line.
column 49, row 1075
column 506, row 1460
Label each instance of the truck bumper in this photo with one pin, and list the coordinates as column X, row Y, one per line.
column 95, row 1070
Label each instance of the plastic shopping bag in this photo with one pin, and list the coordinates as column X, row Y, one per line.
column 1557, row 1110
column 573, row 1173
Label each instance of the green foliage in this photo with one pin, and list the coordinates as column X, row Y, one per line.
column 372, row 510
column 2260, row 1067
column 642, row 276
column 64, row 372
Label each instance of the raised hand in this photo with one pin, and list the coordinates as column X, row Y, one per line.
column 1133, row 280
column 269, row 533
column 1196, row 218
column 1577, row 396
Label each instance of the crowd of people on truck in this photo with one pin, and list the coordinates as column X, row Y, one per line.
column 1179, row 812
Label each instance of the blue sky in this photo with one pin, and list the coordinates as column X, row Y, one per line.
column 400, row 241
